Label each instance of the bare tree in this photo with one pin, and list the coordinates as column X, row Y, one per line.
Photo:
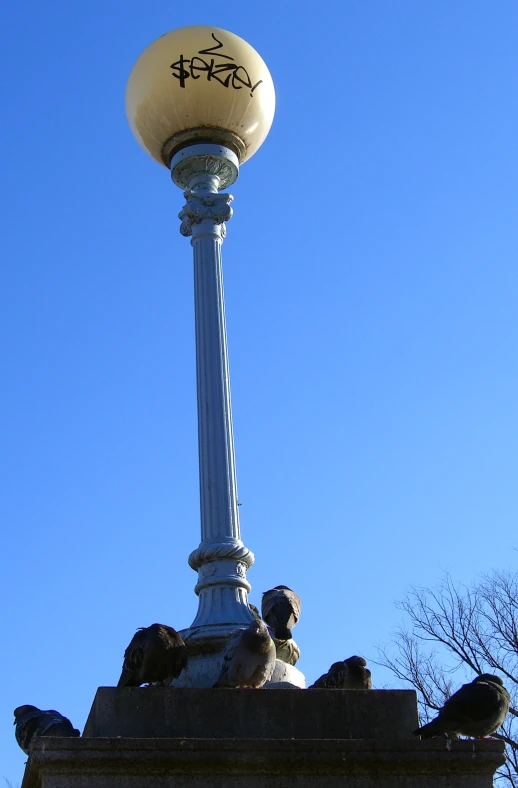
column 460, row 630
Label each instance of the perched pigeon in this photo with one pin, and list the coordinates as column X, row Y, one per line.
column 254, row 611
column 476, row 709
column 156, row 653
column 249, row 657
column 281, row 610
column 352, row 673
column 32, row 722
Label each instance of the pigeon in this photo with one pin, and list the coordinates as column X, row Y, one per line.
column 32, row 722
column 249, row 657
column 155, row 654
column 254, row 611
column 352, row 673
column 281, row 610
column 476, row 710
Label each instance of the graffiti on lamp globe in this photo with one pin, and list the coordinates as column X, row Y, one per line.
column 227, row 74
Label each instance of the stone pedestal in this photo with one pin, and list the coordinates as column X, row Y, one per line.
column 173, row 738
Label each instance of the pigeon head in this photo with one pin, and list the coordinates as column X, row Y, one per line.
column 336, row 667
column 256, row 638
column 356, row 661
column 21, row 710
column 278, row 588
column 258, row 627
column 490, row 678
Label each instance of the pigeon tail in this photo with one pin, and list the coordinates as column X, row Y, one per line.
column 127, row 679
column 430, row 730
column 61, row 730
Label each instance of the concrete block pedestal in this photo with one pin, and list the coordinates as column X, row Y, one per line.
column 169, row 738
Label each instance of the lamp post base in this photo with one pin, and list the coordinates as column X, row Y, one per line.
column 203, row 672
column 205, row 645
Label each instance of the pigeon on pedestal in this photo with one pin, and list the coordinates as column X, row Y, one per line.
column 155, row 654
column 249, row 658
column 280, row 609
column 476, row 710
column 32, row 722
column 352, row 673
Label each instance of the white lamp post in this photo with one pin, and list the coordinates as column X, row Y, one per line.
column 201, row 101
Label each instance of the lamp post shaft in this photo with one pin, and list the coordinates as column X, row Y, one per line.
column 221, row 558
column 218, row 486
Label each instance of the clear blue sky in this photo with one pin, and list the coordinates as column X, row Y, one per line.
column 371, row 286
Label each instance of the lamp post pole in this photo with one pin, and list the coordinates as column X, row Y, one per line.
column 221, row 558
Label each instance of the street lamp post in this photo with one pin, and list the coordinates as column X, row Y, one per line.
column 201, row 101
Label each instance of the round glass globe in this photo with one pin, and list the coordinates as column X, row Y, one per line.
column 200, row 84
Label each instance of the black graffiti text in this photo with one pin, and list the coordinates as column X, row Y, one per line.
column 216, row 66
